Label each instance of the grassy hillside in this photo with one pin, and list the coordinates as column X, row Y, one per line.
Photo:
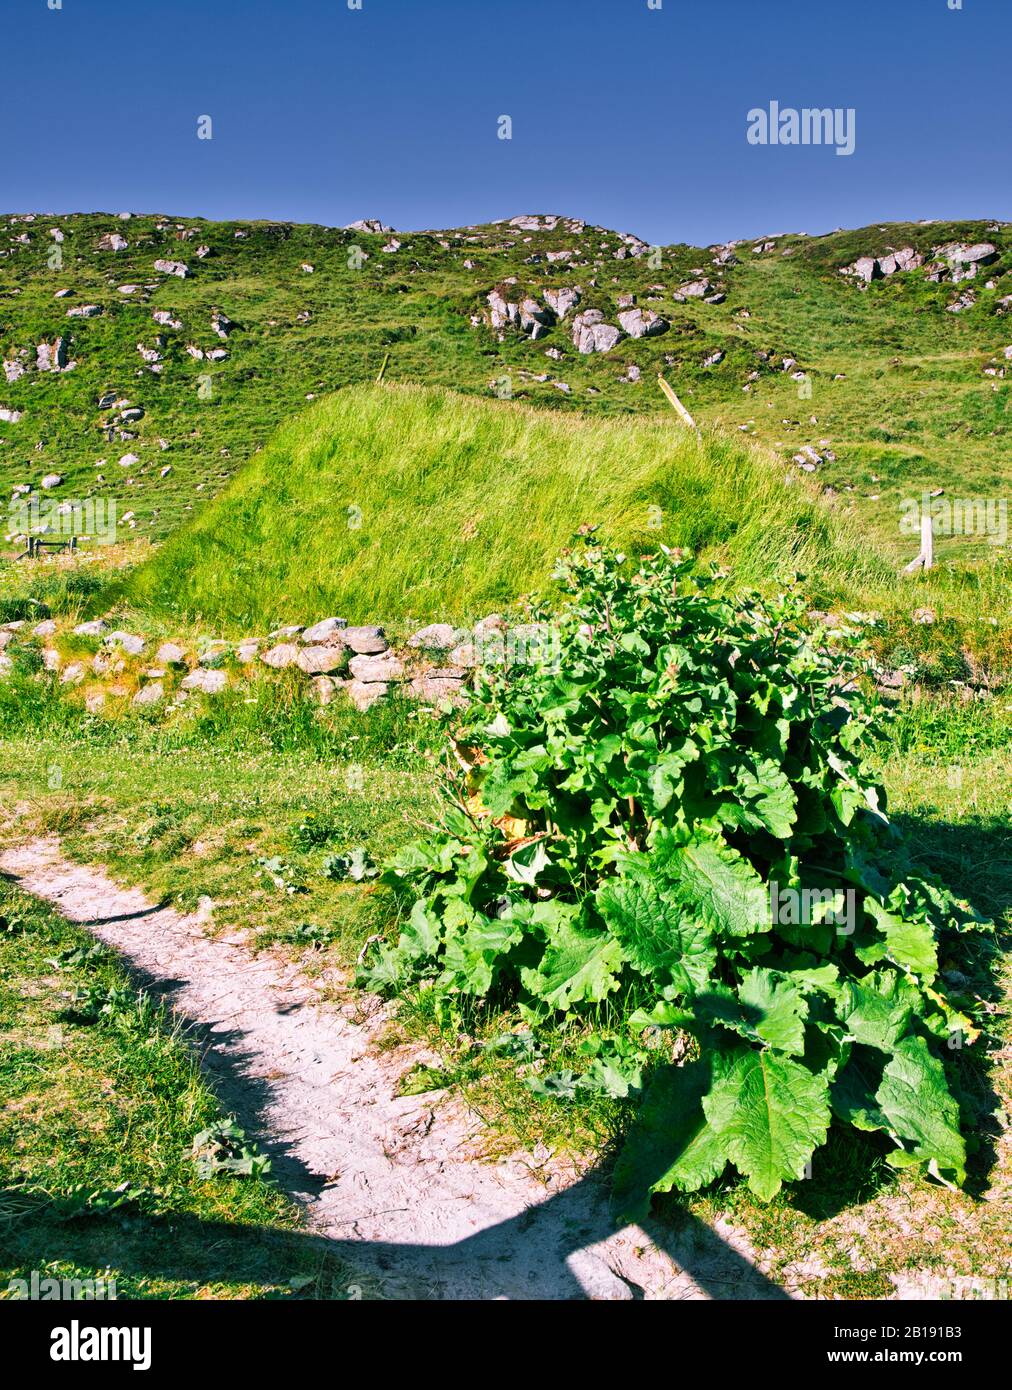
column 898, row 385
column 409, row 501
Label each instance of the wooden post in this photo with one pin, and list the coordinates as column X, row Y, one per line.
column 684, row 415
column 926, row 556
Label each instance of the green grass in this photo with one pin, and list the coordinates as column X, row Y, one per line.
column 464, row 503
column 197, row 822
column 190, row 811
column 392, row 502
column 97, row 1124
column 913, row 408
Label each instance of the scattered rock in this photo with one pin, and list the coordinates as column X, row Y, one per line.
column 372, row 669
column 365, row 641
column 170, row 654
column 436, row 637
column 561, row 301
column 94, row 628
column 328, row 630
column 964, row 301
column 51, row 357
column 369, row 224
column 363, row 695
column 221, row 324
column 284, row 654
column 129, row 643
column 322, row 660
column 642, row 323
column 213, row 655
column 208, row 682
column 592, row 334
column 433, row 688
column 177, row 268
column 150, row 694
column 465, row 655
column 325, row 687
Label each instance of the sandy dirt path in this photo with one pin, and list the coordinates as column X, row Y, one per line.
column 396, row 1183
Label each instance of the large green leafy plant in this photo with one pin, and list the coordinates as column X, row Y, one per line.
column 670, row 806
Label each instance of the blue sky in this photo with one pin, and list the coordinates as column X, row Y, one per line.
column 630, row 117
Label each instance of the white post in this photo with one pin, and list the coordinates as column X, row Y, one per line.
column 926, row 557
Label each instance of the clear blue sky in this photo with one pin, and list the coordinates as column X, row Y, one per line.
column 629, row 117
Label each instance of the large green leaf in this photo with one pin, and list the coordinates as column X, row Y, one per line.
column 671, row 1145
column 422, row 933
column 767, row 800
column 772, row 1113
column 666, row 772
column 910, row 944
column 852, row 1094
column 716, row 882
column 577, row 967
column 773, row 1010
column 476, row 946
column 871, row 1016
column 658, row 937
column 921, row 1114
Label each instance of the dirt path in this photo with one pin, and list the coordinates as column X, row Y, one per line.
column 394, row 1182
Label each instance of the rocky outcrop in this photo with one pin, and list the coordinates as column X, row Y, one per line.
column 207, row 682
column 52, row 357
column 524, row 313
column 693, row 289
column 592, row 334
column 642, row 323
column 954, row 261
column 282, row 655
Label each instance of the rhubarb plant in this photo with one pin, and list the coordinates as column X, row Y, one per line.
column 671, row 806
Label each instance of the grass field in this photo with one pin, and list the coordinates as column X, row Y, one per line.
column 190, row 820
column 894, row 382
column 418, row 503
column 103, row 1100
column 292, row 487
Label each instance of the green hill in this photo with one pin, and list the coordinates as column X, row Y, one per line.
column 395, row 502
column 897, row 394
